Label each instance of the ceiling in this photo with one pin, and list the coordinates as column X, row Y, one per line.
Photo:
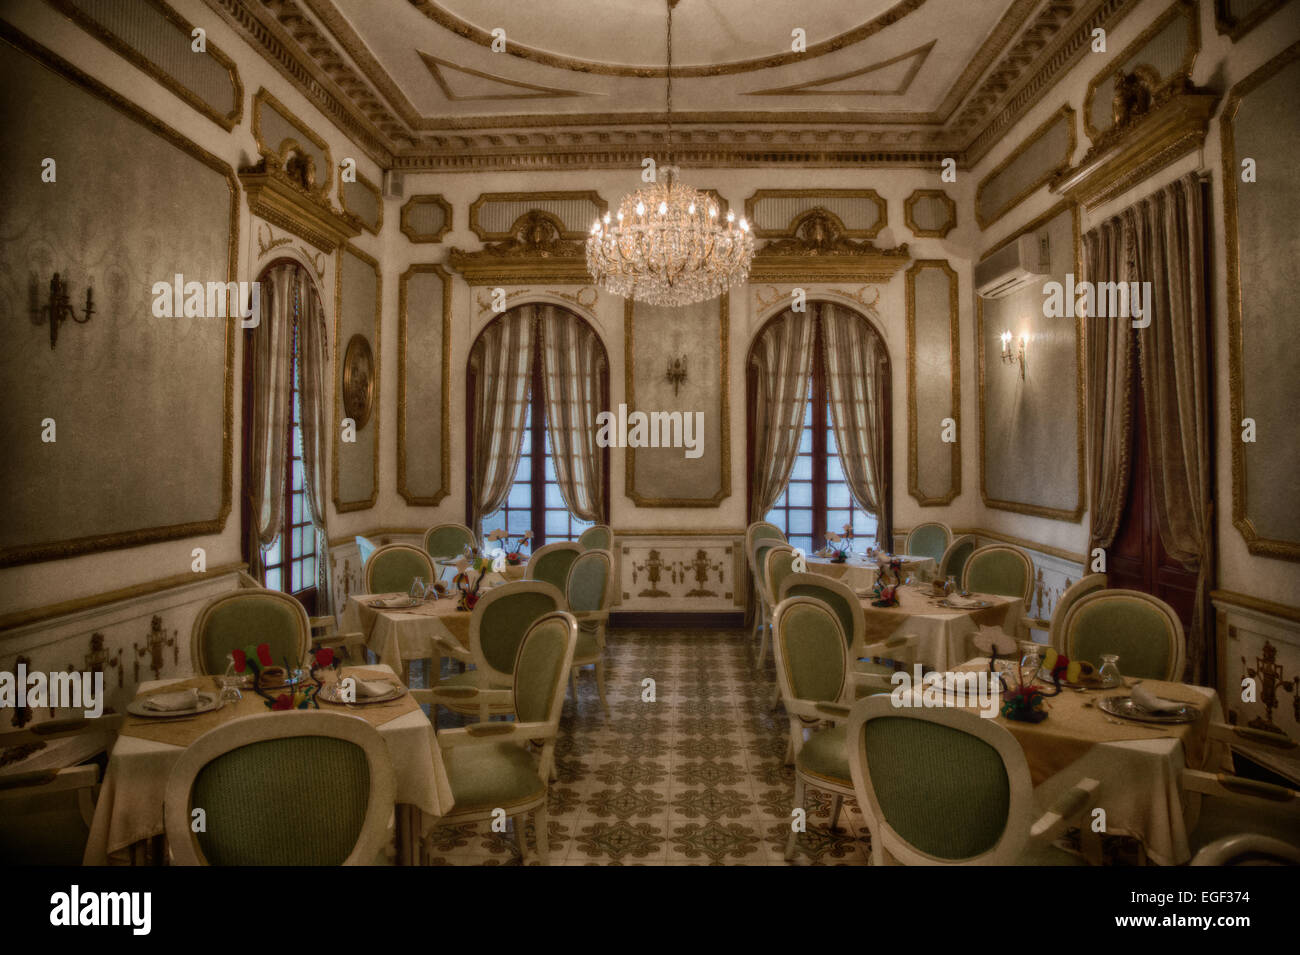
column 879, row 80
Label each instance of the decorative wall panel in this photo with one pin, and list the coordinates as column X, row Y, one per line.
column 697, row 334
column 273, row 123
column 118, row 470
column 1044, row 153
column 771, row 211
column 687, row 574
column 423, row 384
column 493, row 215
column 426, row 218
column 1238, row 17
column 358, row 309
column 364, row 200
column 933, row 382
column 930, row 213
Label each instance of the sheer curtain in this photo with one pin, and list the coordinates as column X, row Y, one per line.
column 502, row 365
column 857, row 387
column 314, row 367
column 1169, row 230
column 272, row 341
column 782, row 361
column 572, row 370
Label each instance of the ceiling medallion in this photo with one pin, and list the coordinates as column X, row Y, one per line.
column 668, row 246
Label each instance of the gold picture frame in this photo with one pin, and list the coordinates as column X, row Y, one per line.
column 358, row 380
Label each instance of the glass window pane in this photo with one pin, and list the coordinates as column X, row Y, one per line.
column 273, row 579
column 834, row 470
column 524, row 469
column 521, row 496
column 297, row 475
column 800, row 522
column 309, row 571
column 518, row 523
column 803, row 543
column 550, row 469
column 553, row 496
column 864, row 525
column 802, row 470
column 836, row 519
column 837, row 495
column 831, row 447
column 296, row 577
column 528, row 442
column 776, row 517
column 800, row 493
column 557, row 525
column 806, row 441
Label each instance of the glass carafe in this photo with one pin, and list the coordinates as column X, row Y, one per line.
column 1109, row 673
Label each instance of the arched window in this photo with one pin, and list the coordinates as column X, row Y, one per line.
column 538, row 376
column 839, row 361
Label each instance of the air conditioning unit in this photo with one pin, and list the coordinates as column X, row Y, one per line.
column 393, row 186
column 1012, row 267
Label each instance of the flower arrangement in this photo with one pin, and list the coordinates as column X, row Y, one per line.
column 513, row 555
column 1023, row 697
column 466, row 581
column 297, row 695
column 889, row 575
column 845, row 542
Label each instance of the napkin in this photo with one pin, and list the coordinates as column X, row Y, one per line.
column 180, row 700
column 370, row 688
column 1152, row 703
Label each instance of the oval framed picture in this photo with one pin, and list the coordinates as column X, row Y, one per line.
column 358, row 380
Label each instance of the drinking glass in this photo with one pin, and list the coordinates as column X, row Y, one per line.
column 1109, row 672
column 1030, row 657
column 950, row 586
column 417, row 588
column 230, row 689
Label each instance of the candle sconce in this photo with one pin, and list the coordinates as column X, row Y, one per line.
column 1010, row 356
column 59, row 308
column 676, row 374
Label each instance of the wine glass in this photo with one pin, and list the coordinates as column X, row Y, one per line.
column 1109, row 673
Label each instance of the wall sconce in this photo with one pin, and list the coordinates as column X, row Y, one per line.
column 1018, row 355
column 59, row 309
column 676, row 374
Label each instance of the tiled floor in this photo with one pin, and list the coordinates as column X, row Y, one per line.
column 696, row 777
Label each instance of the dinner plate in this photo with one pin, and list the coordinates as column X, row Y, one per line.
column 330, row 693
column 966, row 604
column 1125, row 708
column 397, row 603
column 207, row 703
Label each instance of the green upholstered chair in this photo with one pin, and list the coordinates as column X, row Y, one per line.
column 589, row 592
column 1080, row 588
column 999, row 569
column 929, row 539
column 45, row 817
column 868, row 675
column 392, row 568
column 597, row 537
column 497, row 625
column 812, row 667
column 302, row 788
column 552, row 562
column 507, row 765
column 1142, row 630
column 764, row 552
column 767, row 534
column 954, row 558
column 448, row 540
column 249, row 616
column 944, row 786
column 778, row 564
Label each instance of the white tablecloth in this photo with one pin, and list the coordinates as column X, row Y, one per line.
column 130, row 806
column 943, row 638
column 860, row 573
column 396, row 637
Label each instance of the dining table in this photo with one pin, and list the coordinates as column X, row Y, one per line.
column 1138, row 764
column 943, row 625
column 398, row 635
column 129, row 811
column 859, row 572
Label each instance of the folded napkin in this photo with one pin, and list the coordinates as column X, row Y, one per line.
column 370, row 688
column 1152, row 703
column 992, row 640
column 180, row 700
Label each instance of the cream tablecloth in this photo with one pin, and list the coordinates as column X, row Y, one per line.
column 1137, row 764
column 398, row 636
column 130, row 806
column 860, row 573
column 943, row 633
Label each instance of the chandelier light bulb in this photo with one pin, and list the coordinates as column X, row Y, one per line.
column 640, row 208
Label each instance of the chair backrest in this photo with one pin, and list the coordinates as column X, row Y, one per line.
column 392, row 568
column 448, row 540
column 365, row 547
column 542, row 667
column 999, row 569
column 499, row 622
column 837, row 595
column 939, row 785
column 1248, row 848
column 778, row 566
column 597, row 537
column 590, row 585
column 552, row 562
column 929, row 539
column 812, row 654
column 760, row 531
column 763, row 555
column 1142, row 630
column 954, row 558
column 301, row 788
column 1084, row 585
column 242, row 617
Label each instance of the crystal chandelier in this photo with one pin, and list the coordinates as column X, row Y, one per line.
column 667, row 246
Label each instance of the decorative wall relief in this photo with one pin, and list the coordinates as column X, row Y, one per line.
column 933, row 383
column 424, row 385
column 99, row 656
column 357, row 306
column 1260, row 669
column 657, row 476
column 156, row 643
column 1259, row 122
column 679, row 574
column 110, row 476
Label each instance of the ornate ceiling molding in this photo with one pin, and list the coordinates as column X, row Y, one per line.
column 281, row 189
column 813, row 87
column 819, row 251
column 535, row 252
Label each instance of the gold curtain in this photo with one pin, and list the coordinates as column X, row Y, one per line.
column 314, row 411
column 857, row 386
column 782, row 359
column 502, row 364
column 573, row 363
column 271, row 343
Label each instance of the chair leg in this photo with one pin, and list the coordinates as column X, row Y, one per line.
column 835, row 812
column 792, row 843
column 763, row 640
column 543, row 838
column 600, row 684
column 521, row 838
